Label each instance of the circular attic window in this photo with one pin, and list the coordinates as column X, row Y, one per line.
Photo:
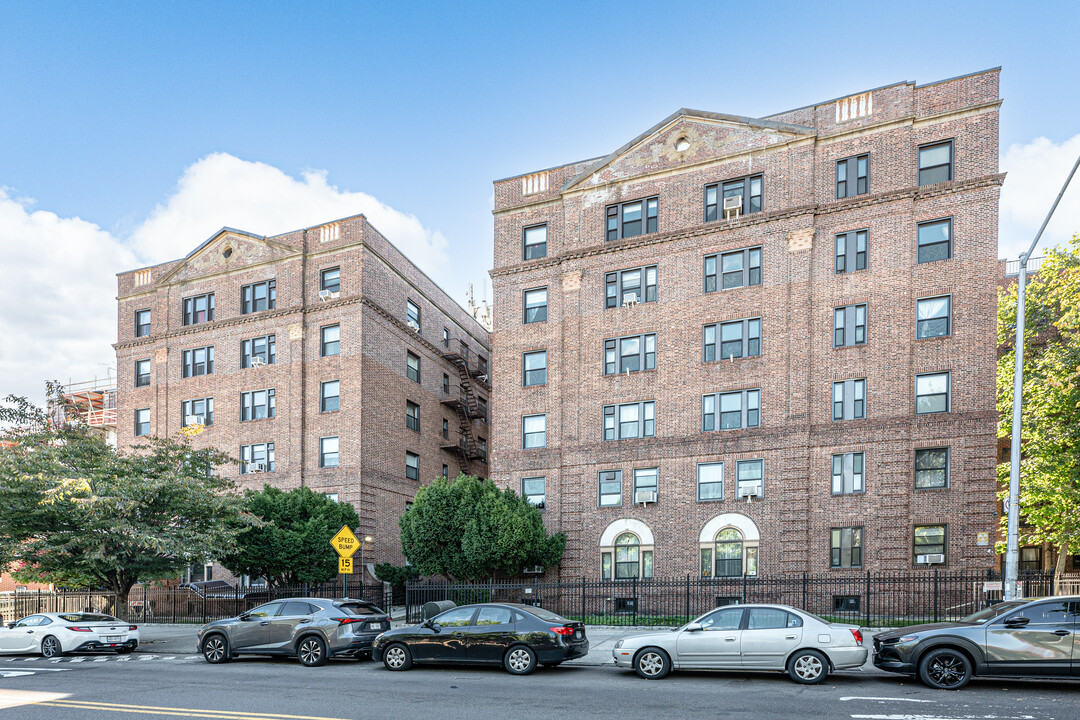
column 682, row 144
column 227, row 253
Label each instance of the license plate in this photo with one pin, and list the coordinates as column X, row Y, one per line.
column 578, row 634
column 113, row 638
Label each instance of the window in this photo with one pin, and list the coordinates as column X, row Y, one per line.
column 536, row 305
column 534, row 490
column 534, row 368
column 849, row 326
column 1031, row 561
column 737, row 269
column 851, row 251
column 741, row 338
column 199, row 309
column 331, row 340
column 535, row 241
column 934, row 317
column 710, row 481
column 610, row 485
column 852, row 175
column 142, row 422
column 412, row 466
column 931, row 468
column 412, row 313
column 199, row 361
column 446, row 429
column 458, row 617
column 630, row 420
column 935, row 240
column 931, row 393
column 412, row 366
column 645, row 482
column 631, row 561
column 739, row 409
column 197, row 412
column 847, row 473
column 728, row 546
column 935, row 163
column 258, row 297
column 534, row 431
column 446, row 384
column 257, row 405
column 846, row 547
column 494, row 616
column 482, row 446
column 929, row 540
column 637, row 285
column 328, row 452
column 256, row 458
column 747, row 189
column 330, row 280
column 142, row 323
column 330, row 396
column 633, row 218
column 446, row 471
column 750, row 478
column 630, row 354
column 263, row 348
column 849, row 400
column 142, row 373
column 412, row 416
column 446, row 337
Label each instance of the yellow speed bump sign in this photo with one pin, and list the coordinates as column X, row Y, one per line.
column 344, row 565
column 345, row 542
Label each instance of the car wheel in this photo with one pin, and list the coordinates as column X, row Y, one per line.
column 808, row 667
column 397, row 657
column 216, row 649
column 945, row 669
column 50, row 647
column 521, row 660
column 652, row 663
column 312, row 651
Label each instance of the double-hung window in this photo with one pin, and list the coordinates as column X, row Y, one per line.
column 412, row 315
column 849, row 400
column 330, row 340
column 199, row 309
column 750, row 478
column 935, row 240
column 533, row 431
column 536, row 305
column 197, row 412
column 630, row 420
column 197, row 361
column 610, row 488
column 847, row 473
column 446, row 429
column 851, row 251
column 736, row 269
column 633, row 218
column 330, row 396
column 929, row 540
column 412, row 466
column 258, row 297
column 710, row 481
column 412, row 366
column 931, row 468
column 261, row 350
column 849, row 325
column 934, row 317
column 748, row 190
column 534, row 490
column 636, row 285
column 445, row 384
column 932, row 393
column 328, row 452
column 257, row 405
column 412, row 416
column 534, row 368
column 645, row 484
column 731, row 410
column 535, row 242
column 846, row 547
column 852, row 176
column 256, row 458
column 935, row 163
column 330, row 280
column 142, row 323
column 142, row 373
column 630, row 354
column 740, row 338
column 142, row 422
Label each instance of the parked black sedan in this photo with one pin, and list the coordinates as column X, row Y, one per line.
column 1038, row 637
column 518, row 637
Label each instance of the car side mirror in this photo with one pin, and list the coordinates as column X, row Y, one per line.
column 1017, row 622
column 428, row 625
column 11, row 624
column 245, row 616
column 693, row 627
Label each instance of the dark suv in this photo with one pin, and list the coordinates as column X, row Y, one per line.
column 312, row 629
column 1037, row 637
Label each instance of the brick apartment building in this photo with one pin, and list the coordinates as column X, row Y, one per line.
column 322, row 358
column 759, row 345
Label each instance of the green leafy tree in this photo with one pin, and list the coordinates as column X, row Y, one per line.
column 469, row 529
column 76, row 512
column 1050, row 461
column 291, row 542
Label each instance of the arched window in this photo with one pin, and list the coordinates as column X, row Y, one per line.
column 628, row 558
column 729, row 554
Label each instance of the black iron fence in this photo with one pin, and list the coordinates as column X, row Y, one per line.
column 867, row 599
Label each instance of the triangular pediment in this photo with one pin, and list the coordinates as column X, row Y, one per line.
column 688, row 137
column 226, row 250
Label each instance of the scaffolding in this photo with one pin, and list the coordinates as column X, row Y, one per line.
column 92, row 402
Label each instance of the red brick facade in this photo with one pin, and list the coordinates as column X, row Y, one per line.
column 795, row 153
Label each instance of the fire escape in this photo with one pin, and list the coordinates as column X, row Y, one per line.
column 468, row 403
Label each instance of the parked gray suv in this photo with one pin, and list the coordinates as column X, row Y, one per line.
column 312, row 629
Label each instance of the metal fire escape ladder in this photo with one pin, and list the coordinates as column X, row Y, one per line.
column 466, row 405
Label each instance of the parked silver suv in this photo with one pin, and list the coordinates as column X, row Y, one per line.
column 313, row 629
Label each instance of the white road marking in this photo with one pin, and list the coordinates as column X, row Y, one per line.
column 944, row 717
column 15, row 698
column 75, row 660
column 101, row 659
column 15, row 673
column 886, row 699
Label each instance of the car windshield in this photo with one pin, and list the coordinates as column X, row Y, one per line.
column 360, row 608
column 87, row 617
column 992, row 612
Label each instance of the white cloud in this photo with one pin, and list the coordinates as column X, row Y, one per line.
column 59, row 289
column 1036, row 172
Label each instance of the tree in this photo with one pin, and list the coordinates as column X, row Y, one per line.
column 291, row 542
column 469, row 529
column 76, row 512
column 1050, row 461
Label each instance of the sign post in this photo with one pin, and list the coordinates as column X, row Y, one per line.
column 346, row 544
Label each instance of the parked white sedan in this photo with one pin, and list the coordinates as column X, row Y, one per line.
column 53, row 634
column 747, row 637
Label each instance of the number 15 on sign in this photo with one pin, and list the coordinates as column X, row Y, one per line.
column 345, row 565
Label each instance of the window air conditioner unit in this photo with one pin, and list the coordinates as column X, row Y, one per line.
column 534, row 570
column 414, row 325
column 257, row 361
column 645, row 496
column 194, row 420
column 931, row 559
column 630, row 303
column 260, row 467
column 750, row 490
column 733, row 206
column 482, row 377
column 328, row 294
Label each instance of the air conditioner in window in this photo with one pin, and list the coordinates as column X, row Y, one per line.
column 257, row 361
column 534, row 570
column 733, row 206
column 414, row 325
column 482, row 377
column 750, row 491
column 645, row 496
column 931, row 559
column 328, row 294
column 631, row 302
column 194, row 420
column 258, row 467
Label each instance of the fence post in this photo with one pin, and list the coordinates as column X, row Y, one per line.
column 204, row 607
column 867, row 598
column 804, row 590
column 687, row 597
column 935, row 594
column 491, row 589
column 633, row 591
column 582, row 598
column 744, row 587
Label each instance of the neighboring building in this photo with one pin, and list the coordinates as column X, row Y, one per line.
column 92, row 402
column 321, row 357
column 759, row 346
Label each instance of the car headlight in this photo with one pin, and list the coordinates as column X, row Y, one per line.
column 908, row 638
column 618, row 643
column 379, row 636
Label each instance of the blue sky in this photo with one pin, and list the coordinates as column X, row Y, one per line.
column 136, row 124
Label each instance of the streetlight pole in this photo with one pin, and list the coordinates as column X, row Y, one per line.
column 1012, row 537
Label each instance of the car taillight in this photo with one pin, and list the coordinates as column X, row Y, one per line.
column 348, row 620
column 562, row 630
column 857, row 634
column 133, row 627
column 78, row 628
